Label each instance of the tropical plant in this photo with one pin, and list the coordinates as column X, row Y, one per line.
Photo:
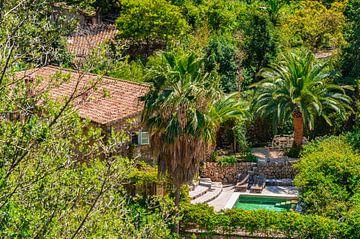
column 300, row 87
column 183, row 111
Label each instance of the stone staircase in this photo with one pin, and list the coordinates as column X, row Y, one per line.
column 206, row 191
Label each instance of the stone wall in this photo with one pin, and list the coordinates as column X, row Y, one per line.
column 276, row 170
column 225, row 174
column 228, row 174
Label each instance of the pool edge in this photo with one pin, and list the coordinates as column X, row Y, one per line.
column 234, row 197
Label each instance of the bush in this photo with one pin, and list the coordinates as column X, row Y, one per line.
column 250, row 157
column 293, row 152
column 328, row 178
column 227, row 161
column 288, row 224
column 354, row 139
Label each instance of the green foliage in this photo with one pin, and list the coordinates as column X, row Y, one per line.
column 227, row 160
column 183, row 110
column 315, row 26
column 220, row 54
column 241, row 140
column 144, row 174
column 28, row 33
column 150, row 23
column 328, row 178
column 91, row 6
column 217, row 15
column 221, row 15
column 214, row 155
column 108, row 60
column 271, row 224
column 351, row 52
column 353, row 138
column 299, row 84
column 260, row 42
column 293, row 152
column 249, row 156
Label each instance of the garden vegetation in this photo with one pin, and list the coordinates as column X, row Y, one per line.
column 263, row 66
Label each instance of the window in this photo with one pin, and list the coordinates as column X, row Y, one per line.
column 143, row 138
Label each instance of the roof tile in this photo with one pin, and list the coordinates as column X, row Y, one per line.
column 110, row 101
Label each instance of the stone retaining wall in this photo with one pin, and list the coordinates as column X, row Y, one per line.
column 277, row 170
column 228, row 174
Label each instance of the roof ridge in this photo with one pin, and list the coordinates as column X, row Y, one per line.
column 92, row 74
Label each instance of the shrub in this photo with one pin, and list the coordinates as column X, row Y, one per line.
column 227, row 160
column 293, row 152
column 214, row 155
column 354, row 139
column 329, row 177
column 250, row 157
column 288, row 224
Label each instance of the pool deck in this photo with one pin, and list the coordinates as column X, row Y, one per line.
column 228, row 197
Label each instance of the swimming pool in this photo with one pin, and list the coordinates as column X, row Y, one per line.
column 250, row 202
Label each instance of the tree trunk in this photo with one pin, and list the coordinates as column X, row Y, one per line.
column 298, row 129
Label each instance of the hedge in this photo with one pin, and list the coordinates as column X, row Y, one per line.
column 269, row 223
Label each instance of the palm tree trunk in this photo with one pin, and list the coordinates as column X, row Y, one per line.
column 298, row 129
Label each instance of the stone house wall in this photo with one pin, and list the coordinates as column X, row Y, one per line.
column 129, row 127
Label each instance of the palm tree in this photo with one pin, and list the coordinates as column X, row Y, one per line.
column 182, row 112
column 301, row 88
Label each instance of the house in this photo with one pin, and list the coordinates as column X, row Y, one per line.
column 109, row 103
column 82, row 43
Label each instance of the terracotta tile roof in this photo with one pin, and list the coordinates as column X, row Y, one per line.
column 109, row 102
column 81, row 44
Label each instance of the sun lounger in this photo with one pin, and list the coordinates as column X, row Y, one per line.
column 242, row 183
column 259, row 185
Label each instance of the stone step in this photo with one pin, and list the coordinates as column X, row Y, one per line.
column 205, row 182
column 213, row 193
column 198, row 192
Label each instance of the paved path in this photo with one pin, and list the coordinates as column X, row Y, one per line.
column 270, row 154
column 221, row 201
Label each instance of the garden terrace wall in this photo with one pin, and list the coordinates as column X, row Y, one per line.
column 228, row 174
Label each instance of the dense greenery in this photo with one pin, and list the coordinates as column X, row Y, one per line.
column 328, row 177
column 300, row 88
column 351, row 60
column 61, row 177
column 183, row 110
column 151, row 24
column 329, row 181
column 288, row 224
